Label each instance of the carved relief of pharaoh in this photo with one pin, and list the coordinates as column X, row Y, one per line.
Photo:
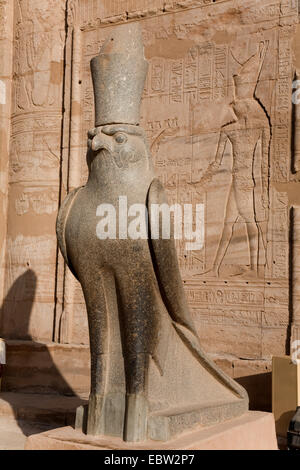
column 39, row 42
column 249, row 136
column 150, row 378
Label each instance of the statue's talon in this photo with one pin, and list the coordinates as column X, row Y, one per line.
column 136, row 418
column 95, row 419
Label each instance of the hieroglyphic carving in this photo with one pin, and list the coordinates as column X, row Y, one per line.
column 4, row 14
column 233, row 317
column 203, row 70
column 295, row 336
column 38, row 68
column 35, row 147
column 73, row 12
column 38, row 201
column 296, row 124
column 282, row 130
column 39, row 49
column 279, row 235
column 205, row 85
column 288, row 7
column 120, row 6
column 35, row 153
column 93, row 13
column 226, row 296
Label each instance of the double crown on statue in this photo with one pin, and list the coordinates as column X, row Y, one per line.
column 119, row 73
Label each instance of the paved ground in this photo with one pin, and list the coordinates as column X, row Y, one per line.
column 20, row 413
column 13, row 434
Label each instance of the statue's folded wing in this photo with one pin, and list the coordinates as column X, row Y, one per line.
column 61, row 225
column 166, row 266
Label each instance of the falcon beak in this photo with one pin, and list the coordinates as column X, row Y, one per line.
column 98, row 144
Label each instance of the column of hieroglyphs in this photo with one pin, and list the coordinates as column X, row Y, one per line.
column 296, row 143
column 38, row 53
column 295, row 336
column 6, row 46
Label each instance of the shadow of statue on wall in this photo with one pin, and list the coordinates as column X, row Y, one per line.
column 33, row 387
column 17, row 307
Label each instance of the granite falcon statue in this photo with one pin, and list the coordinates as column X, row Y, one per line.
column 149, row 376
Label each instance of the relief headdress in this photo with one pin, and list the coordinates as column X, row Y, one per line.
column 119, row 73
column 246, row 80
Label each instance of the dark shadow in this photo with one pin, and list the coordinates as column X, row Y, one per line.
column 32, row 384
column 293, row 169
column 283, row 422
column 259, row 388
column 16, row 308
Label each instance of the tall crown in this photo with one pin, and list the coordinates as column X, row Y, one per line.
column 247, row 78
column 119, row 73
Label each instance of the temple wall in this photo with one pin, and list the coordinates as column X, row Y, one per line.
column 6, row 70
column 34, row 169
column 203, row 55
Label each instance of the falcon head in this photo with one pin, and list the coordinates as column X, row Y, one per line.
column 125, row 144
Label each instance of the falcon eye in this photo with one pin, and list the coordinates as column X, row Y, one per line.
column 120, row 138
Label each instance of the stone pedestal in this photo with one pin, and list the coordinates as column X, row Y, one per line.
column 47, row 368
column 285, row 392
column 252, row 431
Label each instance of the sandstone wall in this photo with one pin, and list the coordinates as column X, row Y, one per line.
column 34, row 169
column 219, row 115
column 6, row 71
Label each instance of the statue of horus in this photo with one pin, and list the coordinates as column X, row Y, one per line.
column 149, row 376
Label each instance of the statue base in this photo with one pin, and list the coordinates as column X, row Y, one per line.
column 252, row 431
column 285, row 392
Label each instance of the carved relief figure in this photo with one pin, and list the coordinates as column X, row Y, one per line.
column 40, row 44
column 149, row 375
column 249, row 137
